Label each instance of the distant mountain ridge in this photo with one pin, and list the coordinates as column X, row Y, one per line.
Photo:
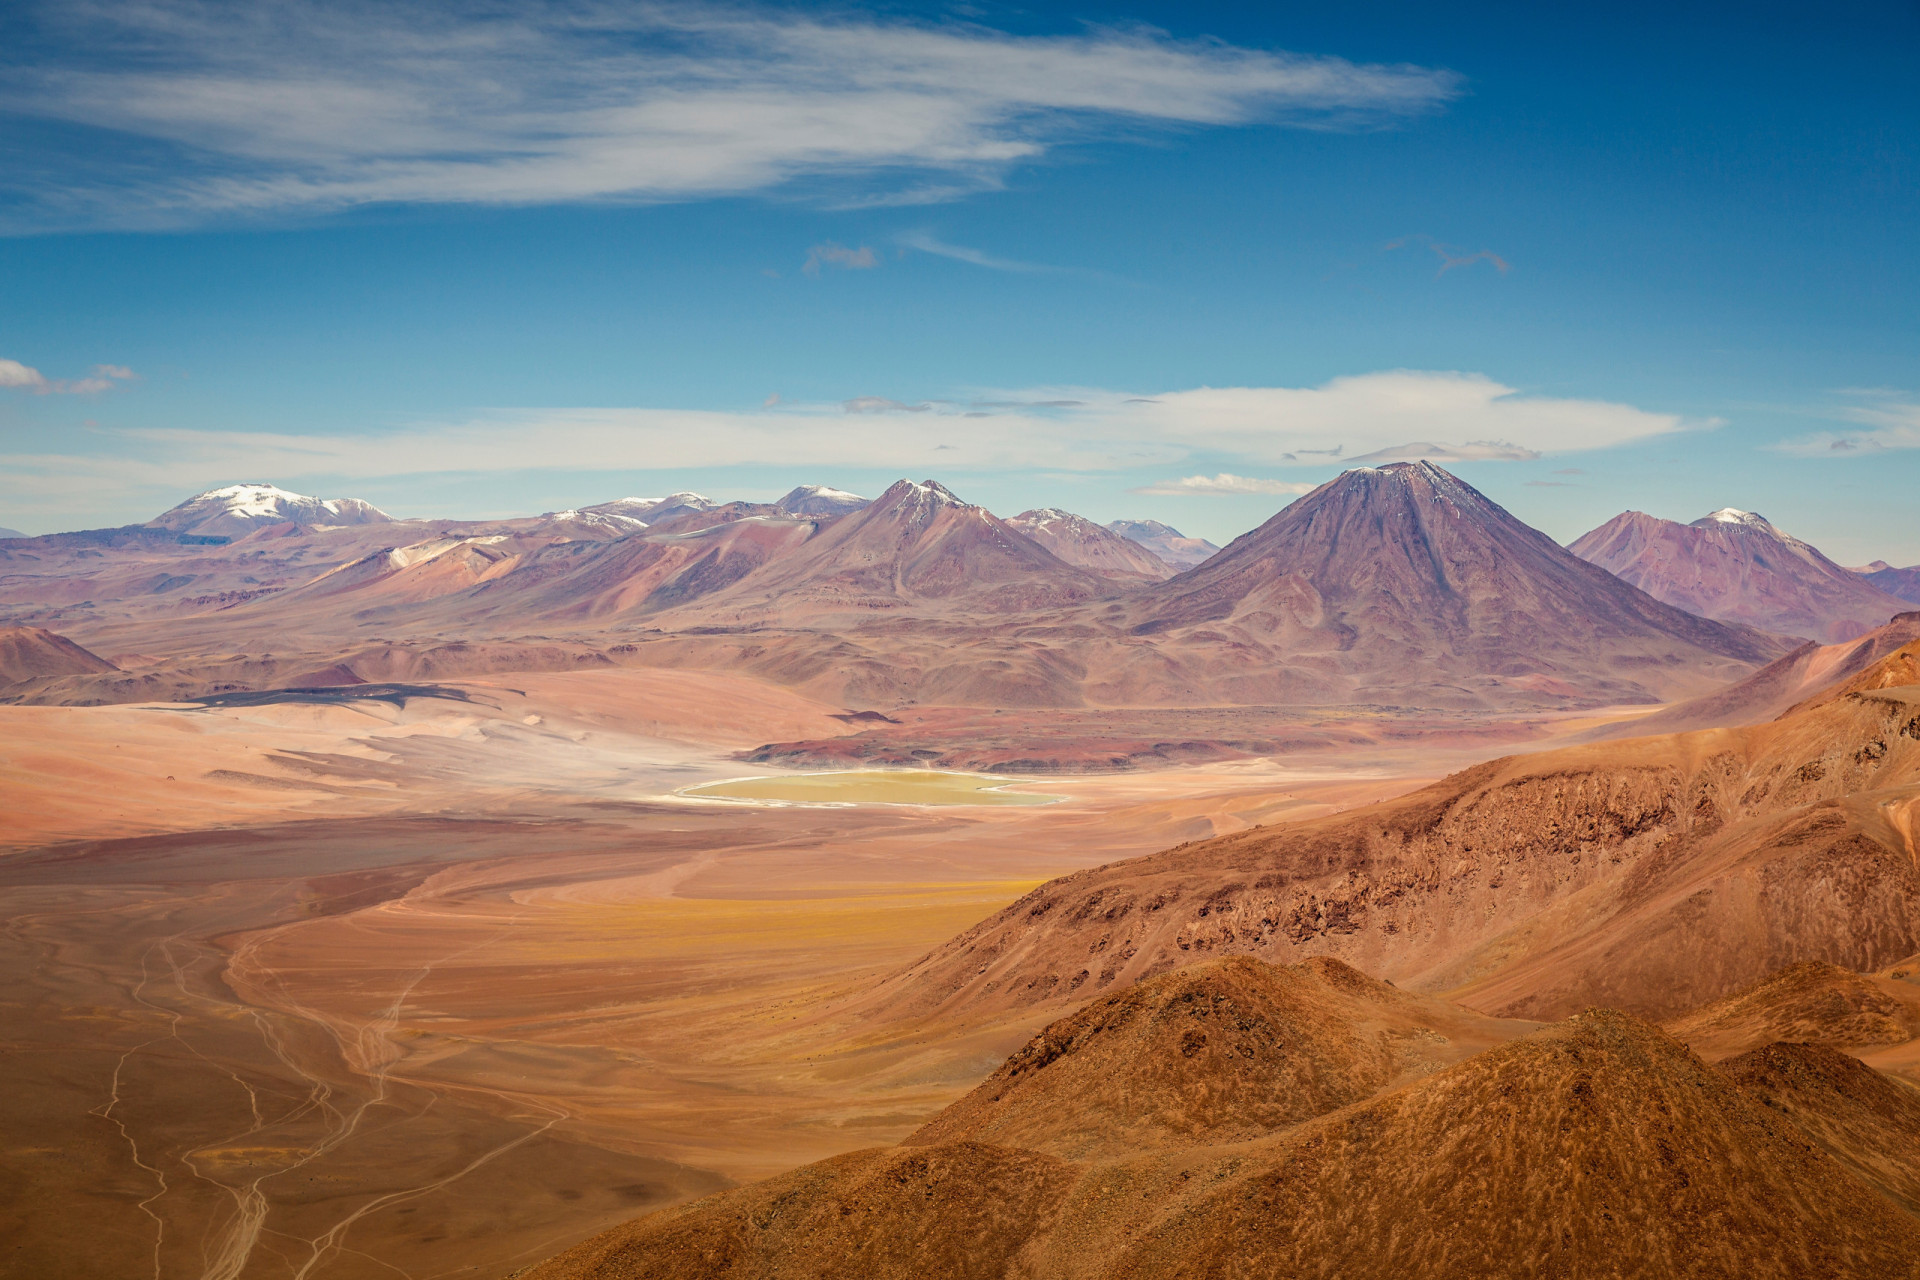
column 1079, row 541
column 1735, row 566
column 1395, row 586
column 1165, row 541
column 1904, row 583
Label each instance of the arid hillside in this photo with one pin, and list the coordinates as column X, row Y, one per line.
column 1599, row 1146
column 1651, row 875
column 1779, row 686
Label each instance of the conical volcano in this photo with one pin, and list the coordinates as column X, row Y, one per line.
column 1405, row 576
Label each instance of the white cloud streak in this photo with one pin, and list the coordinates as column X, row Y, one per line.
column 1471, row 451
column 928, row 243
column 1893, row 423
column 1059, row 429
column 103, row 377
column 278, row 106
column 1225, row 484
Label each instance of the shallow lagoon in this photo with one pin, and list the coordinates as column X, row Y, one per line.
column 872, row 786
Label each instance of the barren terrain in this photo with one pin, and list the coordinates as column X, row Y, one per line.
column 434, row 985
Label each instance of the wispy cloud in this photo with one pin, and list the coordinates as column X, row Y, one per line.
column 880, row 404
column 1471, row 451
column 1224, row 484
column 1452, row 256
column 927, row 243
column 1892, row 422
column 311, row 105
column 1062, row 429
column 838, row 255
column 103, row 377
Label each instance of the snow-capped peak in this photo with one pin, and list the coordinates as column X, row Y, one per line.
column 1733, row 515
column 923, row 493
column 819, row 500
column 1138, row 529
column 1048, row 517
column 649, row 509
column 236, row 508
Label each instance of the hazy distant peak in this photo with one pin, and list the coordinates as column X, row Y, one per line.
column 1138, row 529
column 236, row 509
column 648, row 510
column 1165, row 541
column 1047, row 517
column 819, row 500
column 1087, row 545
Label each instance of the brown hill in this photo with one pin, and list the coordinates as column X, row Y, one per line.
column 1595, row 1148
column 1736, row 567
column 1403, row 584
column 1214, row 1052
column 1653, row 874
column 1079, row 541
column 1811, row 1002
column 1864, row 1120
column 32, row 653
column 1777, row 687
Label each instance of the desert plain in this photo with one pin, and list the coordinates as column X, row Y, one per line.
column 443, row 984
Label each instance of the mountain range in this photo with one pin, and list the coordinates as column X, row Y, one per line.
column 1904, row 583
column 1397, row 585
column 1734, row 566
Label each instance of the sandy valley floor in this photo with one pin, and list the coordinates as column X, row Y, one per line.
column 437, row 989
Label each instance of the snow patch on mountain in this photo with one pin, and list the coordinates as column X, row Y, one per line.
column 238, row 509
column 819, row 500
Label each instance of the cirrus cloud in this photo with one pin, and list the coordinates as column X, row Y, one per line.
column 1065, row 429
column 1892, row 421
column 305, row 105
column 1041, row 428
column 1224, row 484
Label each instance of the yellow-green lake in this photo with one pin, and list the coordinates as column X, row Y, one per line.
column 872, row 786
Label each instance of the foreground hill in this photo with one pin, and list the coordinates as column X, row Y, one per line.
column 1736, row 567
column 1652, row 875
column 1808, row 1003
column 1777, row 687
column 1216, row 1052
column 1598, row 1147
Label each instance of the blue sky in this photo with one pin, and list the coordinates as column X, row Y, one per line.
column 1172, row 261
